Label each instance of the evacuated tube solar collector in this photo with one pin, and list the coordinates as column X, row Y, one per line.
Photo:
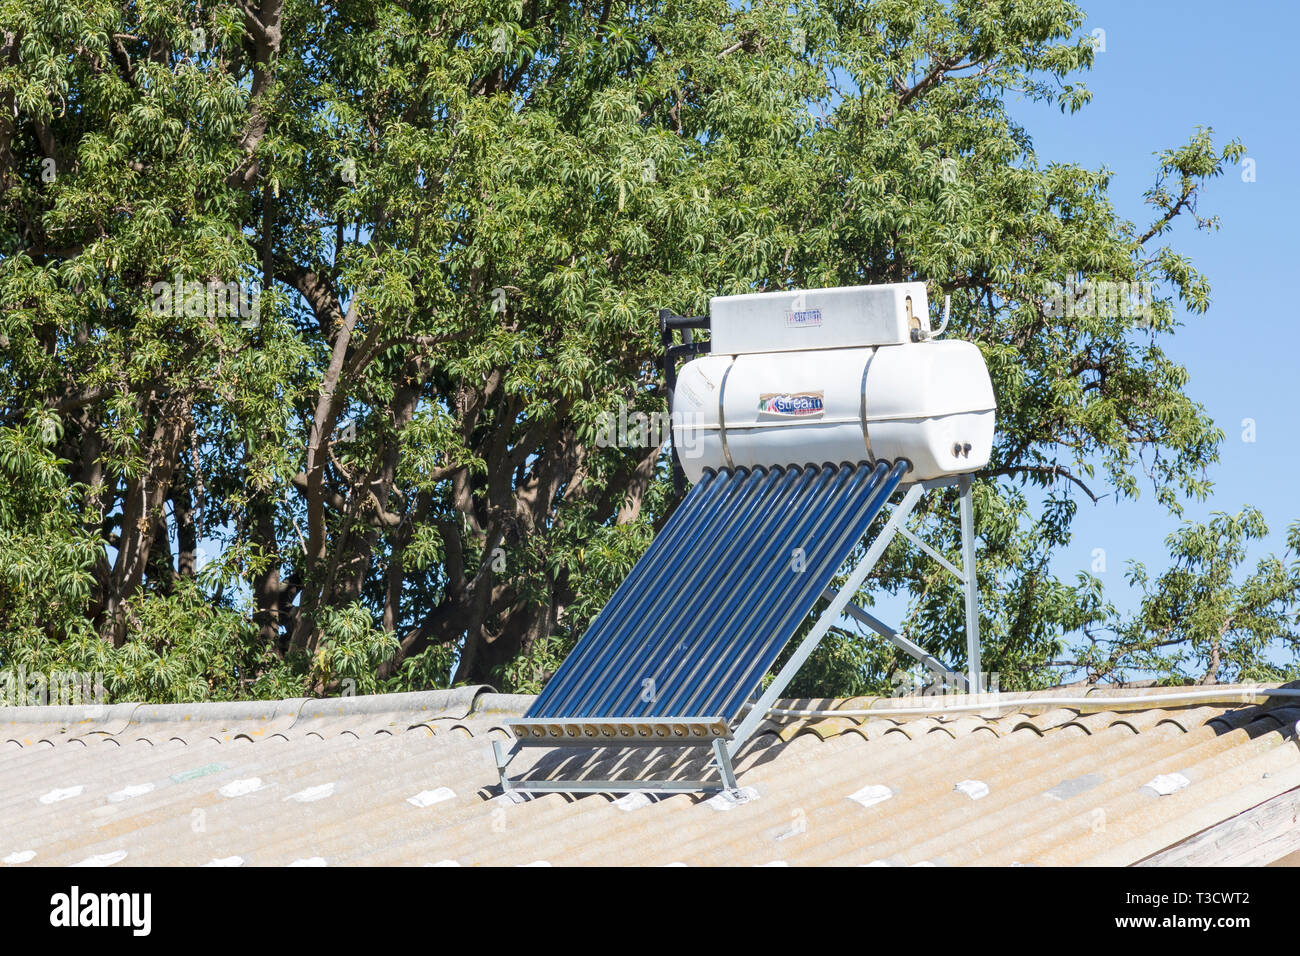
column 808, row 411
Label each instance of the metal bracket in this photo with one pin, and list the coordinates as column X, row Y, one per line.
column 667, row 322
column 726, row 780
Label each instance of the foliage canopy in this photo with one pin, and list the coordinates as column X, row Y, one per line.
column 311, row 312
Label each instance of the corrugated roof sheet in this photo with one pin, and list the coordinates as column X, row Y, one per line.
column 409, row 779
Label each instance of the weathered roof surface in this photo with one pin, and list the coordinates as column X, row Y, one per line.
column 410, row 779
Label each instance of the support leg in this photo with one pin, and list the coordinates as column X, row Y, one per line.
column 972, row 585
column 503, row 757
column 723, row 760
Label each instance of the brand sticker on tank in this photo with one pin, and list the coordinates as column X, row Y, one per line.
column 803, row 318
column 792, row 404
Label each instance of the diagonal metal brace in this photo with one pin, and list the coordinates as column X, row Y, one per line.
column 904, row 644
column 924, row 546
column 828, row 617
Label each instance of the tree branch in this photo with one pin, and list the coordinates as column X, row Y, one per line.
column 1159, row 226
column 1058, row 471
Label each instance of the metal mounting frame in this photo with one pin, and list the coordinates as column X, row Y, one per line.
column 966, row 575
column 725, row 745
column 504, row 752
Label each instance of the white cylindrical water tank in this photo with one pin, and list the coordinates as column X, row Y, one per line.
column 929, row 402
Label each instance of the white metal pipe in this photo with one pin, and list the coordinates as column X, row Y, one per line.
column 1245, row 695
column 947, row 302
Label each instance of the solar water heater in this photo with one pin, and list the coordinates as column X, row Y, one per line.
column 796, row 422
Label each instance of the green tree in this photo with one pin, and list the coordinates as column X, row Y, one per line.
column 311, row 313
column 1196, row 621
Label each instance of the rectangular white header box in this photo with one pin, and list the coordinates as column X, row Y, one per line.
column 847, row 317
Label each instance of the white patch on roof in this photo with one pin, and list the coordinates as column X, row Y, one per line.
column 19, row 856
column 1167, row 783
column 1067, row 789
column 536, row 863
column 240, row 788
column 975, row 789
column 444, row 863
column 797, row 828
column 924, row 863
column 62, row 793
column 226, row 861
column 632, row 801
column 730, row 799
column 675, row 863
column 310, row 861
column 427, row 798
column 871, row 794
column 312, row 794
column 103, row 859
column 774, row 863
column 126, row 793
column 877, row 863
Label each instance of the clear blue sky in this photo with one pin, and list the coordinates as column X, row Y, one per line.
column 1168, row 67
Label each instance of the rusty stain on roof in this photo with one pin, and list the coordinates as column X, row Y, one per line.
column 409, row 779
